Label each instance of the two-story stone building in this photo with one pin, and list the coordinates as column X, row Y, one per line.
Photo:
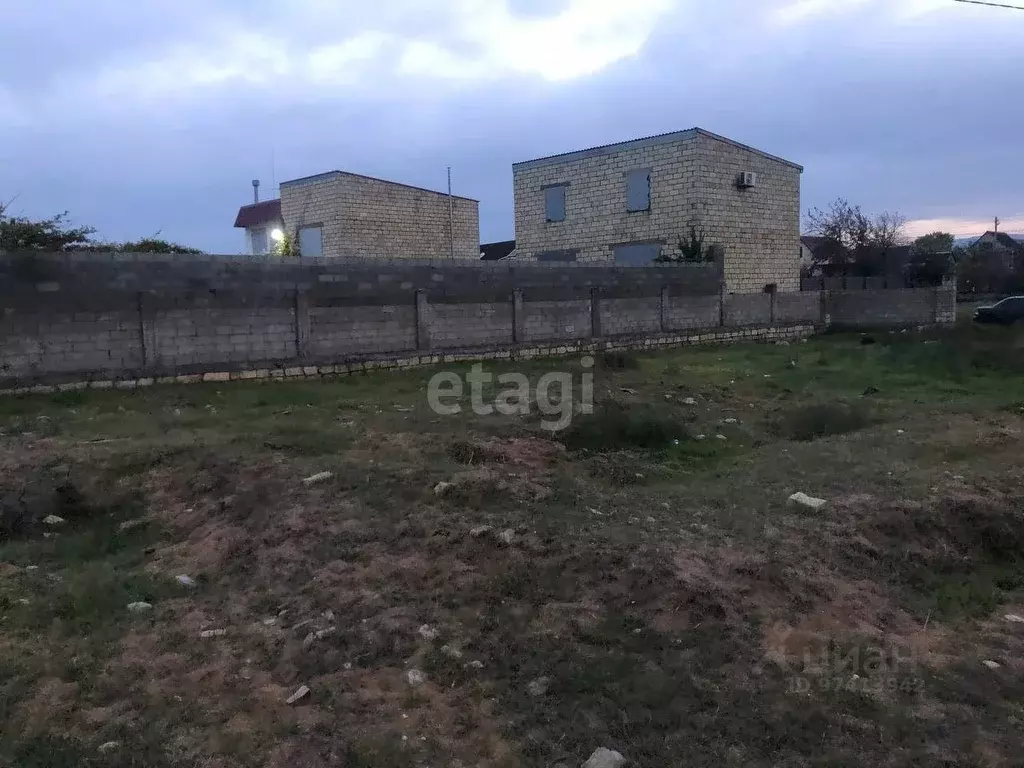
column 628, row 203
column 338, row 214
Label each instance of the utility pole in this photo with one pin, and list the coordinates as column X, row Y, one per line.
column 997, row 225
column 451, row 215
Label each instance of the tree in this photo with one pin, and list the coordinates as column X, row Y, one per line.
column 853, row 242
column 931, row 259
column 936, row 242
column 145, row 245
column 18, row 233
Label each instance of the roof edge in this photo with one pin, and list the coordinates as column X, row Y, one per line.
column 338, row 174
column 647, row 141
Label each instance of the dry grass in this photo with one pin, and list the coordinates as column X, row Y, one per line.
column 676, row 607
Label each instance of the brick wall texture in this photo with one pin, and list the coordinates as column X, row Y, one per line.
column 364, row 217
column 72, row 318
column 694, row 182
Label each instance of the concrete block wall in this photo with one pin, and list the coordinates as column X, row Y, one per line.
column 359, row 330
column 365, row 217
column 682, row 313
column 545, row 320
column 741, row 309
column 470, row 325
column 96, row 325
column 694, row 182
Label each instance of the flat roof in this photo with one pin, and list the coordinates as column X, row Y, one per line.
column 648, row 141
column 336, row 174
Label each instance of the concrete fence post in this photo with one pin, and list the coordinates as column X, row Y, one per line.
column 422, row 320
column 771, row 308
column 721, row 305
column 664, row 309
column 147, row 333
column 518, row 317
column 302, row 324
column 595, row 312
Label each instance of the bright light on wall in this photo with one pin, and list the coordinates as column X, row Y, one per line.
column 276, row 235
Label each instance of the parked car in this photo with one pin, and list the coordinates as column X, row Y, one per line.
column 1006, row 312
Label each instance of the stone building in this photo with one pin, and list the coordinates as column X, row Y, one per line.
column 338, row 214
column 628, row 203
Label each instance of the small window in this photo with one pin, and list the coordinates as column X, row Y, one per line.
column 557, row 256
column 258, row 238
column 636, row 255
column 311, row 241
column 638, row 191
column 554, row 203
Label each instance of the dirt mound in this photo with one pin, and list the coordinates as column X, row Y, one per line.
column 530, row 452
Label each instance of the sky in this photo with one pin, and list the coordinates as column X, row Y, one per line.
column 153, row 118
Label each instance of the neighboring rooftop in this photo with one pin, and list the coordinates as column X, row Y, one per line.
column 649, row 141
column 338, row 174
column 254, row 214
column 497, row 251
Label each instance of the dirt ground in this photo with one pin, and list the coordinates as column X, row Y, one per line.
column 477, row 591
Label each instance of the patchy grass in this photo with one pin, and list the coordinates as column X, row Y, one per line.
column 604, row 586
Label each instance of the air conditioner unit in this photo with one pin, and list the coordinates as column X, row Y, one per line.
column 748, row 179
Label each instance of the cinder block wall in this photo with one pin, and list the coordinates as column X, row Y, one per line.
column 71, row 318
column 693, row 182
column 364, row 217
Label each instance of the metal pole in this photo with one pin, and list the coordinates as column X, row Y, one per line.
column 451, row 215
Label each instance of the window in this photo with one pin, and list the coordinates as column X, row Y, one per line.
column 554, row 203
column 557, row 256
column 311, row 241
column 258, row 240
column 636, row 254
column 638, row 191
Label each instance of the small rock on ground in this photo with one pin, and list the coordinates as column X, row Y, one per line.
column 109, row 746
column 604, row 758
column 991, row 664
column 208, row 633
column 427, row 632
column 139, row 607
column 479, row 531
column 539, row 686
column 1012, row 617
column 301, row 693
column 689, row 401
column 443, row 488
column 507, row 536
column 809, row 502
column 415, row 677
column 185, row 581
column 319, row 477
column 131, row 525
column 54, row 520
column 451, row 652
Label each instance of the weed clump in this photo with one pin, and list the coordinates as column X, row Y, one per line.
column 617, row 427
column 810, row 422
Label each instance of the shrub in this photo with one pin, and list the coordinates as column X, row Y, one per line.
column 809, row 422
column 619, row 361
column 616, row 427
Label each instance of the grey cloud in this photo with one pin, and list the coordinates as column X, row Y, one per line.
column 921, row 118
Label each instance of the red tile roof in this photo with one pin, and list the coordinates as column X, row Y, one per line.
column 258, row 213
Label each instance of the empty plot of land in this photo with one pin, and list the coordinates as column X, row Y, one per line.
column 329, row 573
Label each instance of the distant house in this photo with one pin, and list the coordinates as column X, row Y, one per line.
column 809, row 245
column 337, row 214
column 262, row 222
column 1001, row 244
column 497, row 251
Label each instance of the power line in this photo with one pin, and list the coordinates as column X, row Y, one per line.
column 992, row 5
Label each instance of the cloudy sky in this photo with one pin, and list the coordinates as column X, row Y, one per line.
column 145, row 117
